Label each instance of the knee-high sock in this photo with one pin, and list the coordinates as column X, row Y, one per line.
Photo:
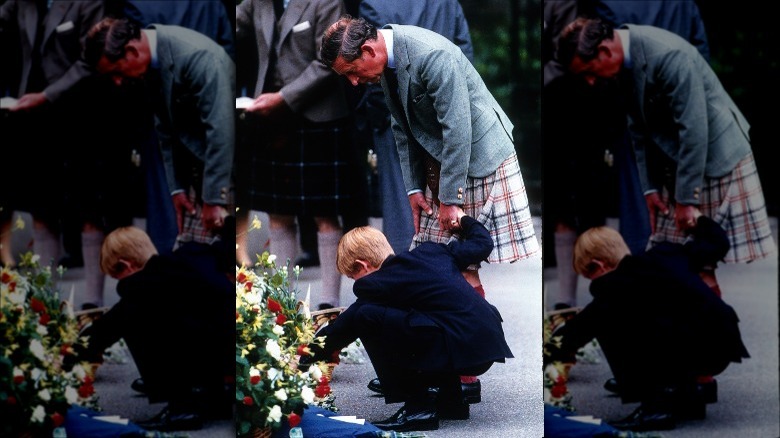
column 283, row 244
column 327, row 247
column 567, row 277
column 47, row 245
column 94, row 278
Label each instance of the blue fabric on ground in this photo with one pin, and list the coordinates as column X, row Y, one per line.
column 316, row 426
column 557, row 425
column 79, row 423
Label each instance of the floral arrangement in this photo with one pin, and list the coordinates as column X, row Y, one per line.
column 273, row 330
column 40, row 374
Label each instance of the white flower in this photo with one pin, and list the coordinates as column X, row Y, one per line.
column 271, row 258
column 16, row 298
column 252, row 298
column 281, row 395
column 79, row 372
column 42, row 330
column 71, row 395
column 254, row 372
column 18, row 372
column 44, row 395
column 275, row 414
column 38, row 414
column 36, row 258
column 36, row 348
column 273, row 349
column 315, row 372
column 272, row 373
column 278, row 330
column 36, row 373
column 307, row 395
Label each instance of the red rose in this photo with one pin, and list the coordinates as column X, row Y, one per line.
column 241, row 277
column 5, row 278
column 12, row 286
column 88, row 380
column 322, row 390
column 248, row 286
column 280, row 318
column 65, row 349
column 86, row 390
column 18, row 379
column 248, row 401
column 11, row 400
column 303, row 350
column 324, row 380
column 274, row 305
column 254, row 380
column 237, row 315
column 558, row 391
column 57, row 419
column 44, row 319
column 37, row 305
column 294, row 419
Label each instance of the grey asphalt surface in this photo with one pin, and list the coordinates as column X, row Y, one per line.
column 748, row 393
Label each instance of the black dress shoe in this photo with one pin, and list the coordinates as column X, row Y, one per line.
column 169, row 420
column 138, row 385
column 644, row 419
column 375, row 385
column 409, row 419
column 708, row 392
column 611, row 385
column 472, row 392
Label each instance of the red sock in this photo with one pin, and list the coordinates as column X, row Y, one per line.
column 480, row 290
column 468, row 379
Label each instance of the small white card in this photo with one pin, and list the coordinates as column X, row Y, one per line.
column 244, row 102
column 8, row 102
column 300, row 27
column 64, row 27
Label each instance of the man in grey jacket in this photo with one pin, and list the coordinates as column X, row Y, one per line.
column 454, row 141
column 691, row 142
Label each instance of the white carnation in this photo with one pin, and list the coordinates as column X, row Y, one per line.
column 275, row 414
column 281, row 395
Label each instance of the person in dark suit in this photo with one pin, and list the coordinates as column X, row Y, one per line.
column 420, row 321
column 658, row 323
column 172, row 308
column 61, row 108
column 193, row 81
column 300, row 160
column 454, row 141
column 691, row 142
column 444, row 17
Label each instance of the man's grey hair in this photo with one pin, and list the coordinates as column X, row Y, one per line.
column 345, row 38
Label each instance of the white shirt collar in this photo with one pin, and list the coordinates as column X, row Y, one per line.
column 151, row 35
column 388, row 34
column 623, row 33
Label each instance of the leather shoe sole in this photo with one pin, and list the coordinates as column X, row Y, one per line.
column 643, row 421
column 472, row 392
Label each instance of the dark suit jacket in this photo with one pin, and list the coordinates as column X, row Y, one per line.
column 176, row 316
column 654, row 317
column 197, row 108
column 64, row 32
column 428, row 285
column 309, row 87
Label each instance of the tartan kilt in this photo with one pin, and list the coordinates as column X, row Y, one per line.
column 296, row 167
column 500, row 203
column 736, row 202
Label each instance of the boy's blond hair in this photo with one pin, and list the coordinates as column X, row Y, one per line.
column 131, row 244
column 598, row 243
column 362, row 243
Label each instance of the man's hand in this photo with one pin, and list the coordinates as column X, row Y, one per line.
column 449, row 216
column 655, row 205
column 213, row 216
column 29, row 101
column 685, row 216
column 266, row 104
column 418, row 204
column 182, row 205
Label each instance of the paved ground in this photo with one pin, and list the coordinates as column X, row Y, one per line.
column 749, row 395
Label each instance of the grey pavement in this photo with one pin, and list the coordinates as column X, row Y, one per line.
column 748, row 393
